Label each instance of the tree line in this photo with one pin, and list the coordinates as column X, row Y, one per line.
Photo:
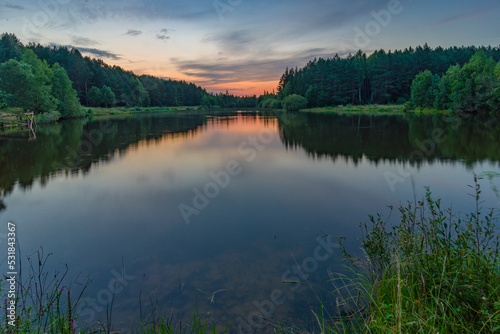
column 383, row 77
column 472, row 88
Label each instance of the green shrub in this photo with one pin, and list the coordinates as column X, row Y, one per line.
column 47, row 117
column 294, row 102
column 271, row 103
column 401, row 100
column 407, row 106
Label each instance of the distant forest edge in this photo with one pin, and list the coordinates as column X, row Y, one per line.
column 464, row 79
column 57, row 81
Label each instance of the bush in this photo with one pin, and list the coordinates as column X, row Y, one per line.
column 47, row 117
column 276, row 104
column 401, row 100
column 271, row 103
column 407, row 106
column 294, row 102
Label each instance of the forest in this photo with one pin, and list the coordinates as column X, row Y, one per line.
column 383, row 77
column 97, row 83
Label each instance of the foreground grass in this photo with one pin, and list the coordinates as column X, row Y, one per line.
column 435, row 272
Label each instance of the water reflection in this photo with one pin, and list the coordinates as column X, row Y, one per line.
column 317, row 176
column 393, row 138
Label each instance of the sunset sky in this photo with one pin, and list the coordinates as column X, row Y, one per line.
column 244, row 45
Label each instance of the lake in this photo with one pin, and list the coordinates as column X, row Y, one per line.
column 233, row 214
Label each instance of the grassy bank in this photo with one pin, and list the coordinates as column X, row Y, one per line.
column 436, row 271
column 371, row 109
column 125, row 110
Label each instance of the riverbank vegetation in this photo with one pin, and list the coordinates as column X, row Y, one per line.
column 436, row 271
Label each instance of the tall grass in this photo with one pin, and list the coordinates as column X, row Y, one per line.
column 436, row 271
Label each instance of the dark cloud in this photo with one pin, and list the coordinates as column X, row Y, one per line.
column 133, row 32
column 162, row 35
column 231, row 39
column 219, row 72
column 83, row 41
column 98, row 53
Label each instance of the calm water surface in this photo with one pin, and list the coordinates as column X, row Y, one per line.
column 215, row 212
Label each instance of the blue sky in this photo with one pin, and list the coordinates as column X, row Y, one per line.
column 244, row 45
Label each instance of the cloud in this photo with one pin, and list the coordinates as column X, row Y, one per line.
column 221, row 70
column 162, row 35
column 10, row 6
column 133, row 32
column 84, row 41
column 458, row 18
column 97, row 53
column 231, row 39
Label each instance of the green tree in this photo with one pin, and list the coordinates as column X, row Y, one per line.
column 68, row 106
column 474, row 90
column 497, row 87
column 311, row 96
column 422, row 90
column 4, row 99
column 10, row 48
column 40, row 98
column 17, row 80
column 94, row 97
column 108, row 97
column 443, row 93
column 294, row 102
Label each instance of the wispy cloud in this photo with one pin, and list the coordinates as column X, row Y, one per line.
column 97, row 52
column 132, row 32
column 459, row 17
column 83, row 41
column 11, row 6
column 162, row 35
column 222, row 70
column 238, row 40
